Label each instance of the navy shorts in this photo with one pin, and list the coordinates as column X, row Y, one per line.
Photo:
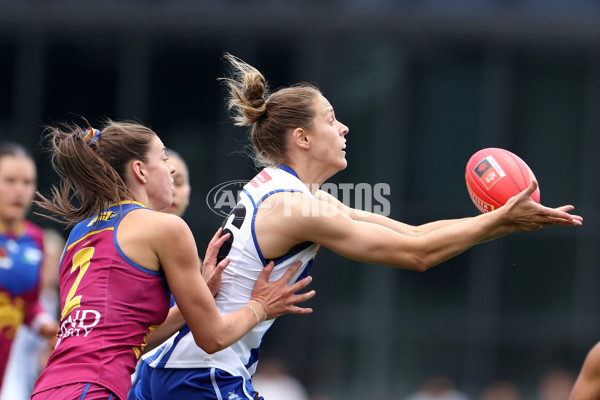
column 193, row 383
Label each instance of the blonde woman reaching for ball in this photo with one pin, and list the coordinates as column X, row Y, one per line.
column 283, row 216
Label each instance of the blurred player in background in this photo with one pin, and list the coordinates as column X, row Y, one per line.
column 438, row 387
column 501, row 390
column 274, row 381
column 181, row 184
column 587, row 384
column 21, row 254
column 30, row 351
column 283, row 216
column 119, row 257
column 555, row 384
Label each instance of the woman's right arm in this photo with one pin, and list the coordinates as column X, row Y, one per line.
column 418, row 230
column 175, row 248
column 323, row 223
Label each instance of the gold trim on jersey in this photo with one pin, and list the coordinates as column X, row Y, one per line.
column 89, row 234
column 128, row 202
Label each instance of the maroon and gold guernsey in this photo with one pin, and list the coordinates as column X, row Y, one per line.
column 21, row 256
column 108, row 306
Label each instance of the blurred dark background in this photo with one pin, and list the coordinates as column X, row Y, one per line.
column 422, row 84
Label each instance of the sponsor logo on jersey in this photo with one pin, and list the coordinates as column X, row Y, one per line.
column 261, row 178
column 105, row 216
column 78, row 323
column 32, row 255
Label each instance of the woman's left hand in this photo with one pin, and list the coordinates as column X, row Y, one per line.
column 211, row 271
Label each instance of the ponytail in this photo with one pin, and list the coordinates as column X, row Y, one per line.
column 91, row 165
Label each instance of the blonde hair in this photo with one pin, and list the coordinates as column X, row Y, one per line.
column 92, row 172
column 271, row 116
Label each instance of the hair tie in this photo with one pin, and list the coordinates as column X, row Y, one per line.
column 91, row 136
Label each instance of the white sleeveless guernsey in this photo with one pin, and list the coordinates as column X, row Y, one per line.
column 238, row 280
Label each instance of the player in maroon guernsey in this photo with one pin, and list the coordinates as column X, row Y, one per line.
column 123, row 257
column 21, row 252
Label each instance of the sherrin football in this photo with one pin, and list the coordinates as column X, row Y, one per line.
column 495, row 175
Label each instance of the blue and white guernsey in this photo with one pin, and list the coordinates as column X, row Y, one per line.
column 238, row 280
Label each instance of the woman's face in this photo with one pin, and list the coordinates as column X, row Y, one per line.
column 181, row 184
column 17, row 187
column 160, row 180
column 329, row 136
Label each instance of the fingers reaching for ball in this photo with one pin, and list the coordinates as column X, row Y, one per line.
column 562, row 217
column 576, row 218
column 527, row 215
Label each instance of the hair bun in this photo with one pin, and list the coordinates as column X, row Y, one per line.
column 257, row 101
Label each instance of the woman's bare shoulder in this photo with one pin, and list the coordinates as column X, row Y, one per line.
column 147, row 222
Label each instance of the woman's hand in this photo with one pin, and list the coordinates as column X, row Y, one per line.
column 525, row 214
column 49, row 330
column 211, row 271
column 277, row 298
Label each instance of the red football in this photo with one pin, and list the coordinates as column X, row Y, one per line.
column 495, row 175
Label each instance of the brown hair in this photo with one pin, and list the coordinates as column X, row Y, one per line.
column 92, row 173
column 272, row 116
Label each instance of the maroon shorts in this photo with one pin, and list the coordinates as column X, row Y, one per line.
column 76, row 391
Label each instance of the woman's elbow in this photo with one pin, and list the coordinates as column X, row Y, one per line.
column 421, row 263
column 209, row 340
column 421, row 266
column 210, row 346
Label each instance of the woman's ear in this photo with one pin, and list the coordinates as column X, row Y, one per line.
column 301, row 138
column 138, row 170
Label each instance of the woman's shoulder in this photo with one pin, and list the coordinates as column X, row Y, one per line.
column 151, row 223
column 143, row 234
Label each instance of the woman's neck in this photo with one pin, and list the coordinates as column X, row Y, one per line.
column 12, row 226
column 313, row 178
